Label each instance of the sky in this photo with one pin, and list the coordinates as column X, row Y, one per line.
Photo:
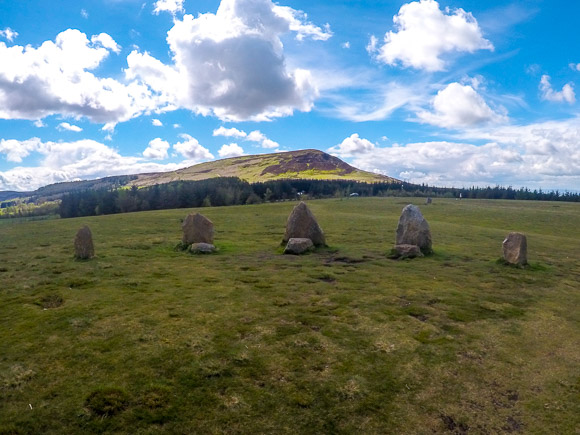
column 448, row 93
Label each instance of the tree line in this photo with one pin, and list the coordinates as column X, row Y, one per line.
column 233, row 191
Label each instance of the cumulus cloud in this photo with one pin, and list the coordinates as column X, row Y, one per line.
column 69, row 127
column 67, row 161
column 258, row 137
column 424, row 33
column 171, row 6
column 352, row 146
column 84, row 14
column 9, row 34
column 231, row 64
column 459, row 106
column 575, row 66
column 545, row 155
column 229, row 132
column 191, row 149
column 15, row 150
column 157, row 149
column 547, row 93
column 231, row 150
column 156, row 123
column 255, row 136
column 56, row 78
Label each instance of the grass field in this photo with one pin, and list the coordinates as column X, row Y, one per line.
column 146, row 340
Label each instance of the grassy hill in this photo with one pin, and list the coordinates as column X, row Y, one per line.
column 143, row 339
column 303, row 164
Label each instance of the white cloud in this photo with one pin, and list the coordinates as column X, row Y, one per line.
column 84, row 14
column 231, row 63
column 191, row 149
column 16, row 150
column 229, row 132
column 545, row 155
column 157, row 149
column 105, row 41
column 259, row 137
column 231, row 150
column 69, row 127
column 171, row 6
column 255, row 136
column 377, row 103
column 156, row 123
column 352, row 146
column 459, row 106
column 575, row 66
column 547, row 93
column 9, row 34
column 345, row 44
column 39, row 124
column 55, row 78
column 424, row 33
column 67, row 161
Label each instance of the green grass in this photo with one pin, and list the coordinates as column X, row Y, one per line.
column 143, row 339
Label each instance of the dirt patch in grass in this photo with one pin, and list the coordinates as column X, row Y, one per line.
column 452, row 426
column 107, row 401
column 50, row 301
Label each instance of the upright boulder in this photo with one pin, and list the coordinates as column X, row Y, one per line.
column 515, row 249
column 84, row 248
column 413, row 229
column 197, row 229
column 302, row 224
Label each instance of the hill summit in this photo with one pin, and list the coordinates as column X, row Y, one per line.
column 303, row 164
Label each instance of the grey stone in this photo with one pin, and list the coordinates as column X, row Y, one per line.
column 202, row 248
column 297, row 246
column 197, row 229
column 84, row 248
column 429, row 201
column 408, row 251
column 302, row 224
column 515, row 249
column 413, row 229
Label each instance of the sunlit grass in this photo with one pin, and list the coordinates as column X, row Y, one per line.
column 247, row 340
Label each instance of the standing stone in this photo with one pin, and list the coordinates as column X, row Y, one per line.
column 197, row 229
column 302, row 225
column 84, row 248
column 515, row 249
column 413, row 229
column 428, row 201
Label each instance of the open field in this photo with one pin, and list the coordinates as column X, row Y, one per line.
column 249, row 341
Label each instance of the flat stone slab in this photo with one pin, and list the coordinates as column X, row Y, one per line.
column 298, row 245
column 407, row 251
column 202, row 248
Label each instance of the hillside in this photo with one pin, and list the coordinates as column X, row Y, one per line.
column 303, row 164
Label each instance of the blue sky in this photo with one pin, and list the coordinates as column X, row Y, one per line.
column 449, row 93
